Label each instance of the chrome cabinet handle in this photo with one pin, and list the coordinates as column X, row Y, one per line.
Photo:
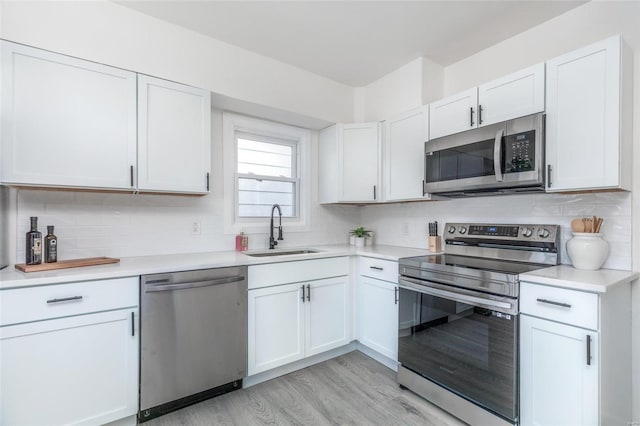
column 588, row 349
column 65, row 299
column 423, row 192
column 133, row 324
column 551, row 302
column 374, row 192
column 302, row 298
column 377, row 268
column 479, row 114
column 549, row 175
column 397, row 294
column 308, row 292
column 471, row 116
column 207, row 181
column 131, row 174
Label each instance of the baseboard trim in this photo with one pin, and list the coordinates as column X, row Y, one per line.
column 297, row 365
column 377, row 356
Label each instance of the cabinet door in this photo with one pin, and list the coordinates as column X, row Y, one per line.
column 360, row 162
column 174, row 136
column 512, row 96
column 583, row 118
column 79, row 370
column 378, row 316
column 66, row 122
column 557, row 385
column 453, row 114
column 276, row 333
column 326, row 315
column 403, row 155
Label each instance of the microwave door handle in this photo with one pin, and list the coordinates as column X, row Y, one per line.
column 497, row 155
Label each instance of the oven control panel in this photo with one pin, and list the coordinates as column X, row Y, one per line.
column 510, row 232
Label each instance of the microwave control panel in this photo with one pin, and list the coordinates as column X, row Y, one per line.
column 519, row 152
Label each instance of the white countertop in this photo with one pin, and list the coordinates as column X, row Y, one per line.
column 142, row 265
column 569, row 277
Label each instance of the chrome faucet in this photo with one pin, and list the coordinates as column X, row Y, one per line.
column 272, row 241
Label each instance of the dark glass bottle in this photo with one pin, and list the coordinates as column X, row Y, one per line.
column 33, row 248
column 50, row 246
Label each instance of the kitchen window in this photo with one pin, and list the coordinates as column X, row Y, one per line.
column 267, row 174
column 265, row 163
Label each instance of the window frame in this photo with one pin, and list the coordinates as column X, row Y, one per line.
column 234, row 124
column 295, row 166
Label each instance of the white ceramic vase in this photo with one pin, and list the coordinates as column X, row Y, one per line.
column 587, row 250
column 360, row 241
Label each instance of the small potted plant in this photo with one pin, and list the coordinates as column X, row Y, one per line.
column 359, row 235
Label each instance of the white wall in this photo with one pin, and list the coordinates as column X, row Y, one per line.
column 410, row 86
column 106, row 32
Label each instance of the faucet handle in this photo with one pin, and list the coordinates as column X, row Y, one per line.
column 280, row 237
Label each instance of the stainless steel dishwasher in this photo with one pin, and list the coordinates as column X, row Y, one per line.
column 193, row 337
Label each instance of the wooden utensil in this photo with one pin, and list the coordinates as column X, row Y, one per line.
column 577, row 225
column 599, row 225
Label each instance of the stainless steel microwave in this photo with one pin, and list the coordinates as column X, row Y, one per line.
column 503, row 158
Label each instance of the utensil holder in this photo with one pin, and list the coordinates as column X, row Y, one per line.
column 434, row 244
column 587, row 250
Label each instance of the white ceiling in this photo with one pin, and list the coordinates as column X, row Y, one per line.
column 356, row 42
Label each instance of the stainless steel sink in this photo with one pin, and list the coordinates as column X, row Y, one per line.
column 281, row 253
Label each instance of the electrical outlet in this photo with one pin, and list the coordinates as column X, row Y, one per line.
column 195, row 227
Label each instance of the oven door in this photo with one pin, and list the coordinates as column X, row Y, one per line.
column 462, row 342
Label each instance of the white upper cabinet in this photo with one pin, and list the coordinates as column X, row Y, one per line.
column 349, row 163
column 403, row 155
column 174, row 136
column 453, row 114
column 66, row 122
column 589, row 109
column 512, row 96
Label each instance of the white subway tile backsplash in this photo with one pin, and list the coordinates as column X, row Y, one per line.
column 615, row 207
column 119, row 225
column 92, row 224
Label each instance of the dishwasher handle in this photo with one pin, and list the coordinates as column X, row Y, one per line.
column 195, row 284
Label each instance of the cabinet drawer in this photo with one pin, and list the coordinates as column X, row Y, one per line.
column 290, row 272
column 558, row 304
column 61, row 300
column 386, row 270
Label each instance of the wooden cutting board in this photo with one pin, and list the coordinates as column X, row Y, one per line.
column 63, row 264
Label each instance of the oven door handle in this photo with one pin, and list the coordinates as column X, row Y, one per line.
column 420, row 287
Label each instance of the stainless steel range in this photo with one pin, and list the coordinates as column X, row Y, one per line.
column 458, row 326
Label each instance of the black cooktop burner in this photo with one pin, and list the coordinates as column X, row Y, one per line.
column 456, row 261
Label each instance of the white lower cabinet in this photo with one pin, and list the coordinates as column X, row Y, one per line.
column 377, row 306
column 276, row 331
column 79, row 370
column 326, row 315
column 378, row 316
column 559, row 386
column 575, row 355
column 305, row 316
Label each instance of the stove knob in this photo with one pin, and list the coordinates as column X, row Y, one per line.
column 452, row 229
column 463, row 229
column 543, row 233
column 527, row 232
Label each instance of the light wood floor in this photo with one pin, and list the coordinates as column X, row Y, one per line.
column 349, row 390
